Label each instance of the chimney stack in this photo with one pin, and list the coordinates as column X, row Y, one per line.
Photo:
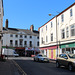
column 31, row 27
column 6, row 23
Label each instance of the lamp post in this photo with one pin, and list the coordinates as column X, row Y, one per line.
column 56, row 32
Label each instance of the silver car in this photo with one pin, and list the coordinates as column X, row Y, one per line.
column 41, row 58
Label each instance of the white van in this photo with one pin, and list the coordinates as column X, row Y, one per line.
column 9, row 52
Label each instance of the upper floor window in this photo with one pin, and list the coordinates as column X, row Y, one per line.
column 11, row 35
column 52, row 37
column 62, row 17
column 51, row 24
column 46, row 39
column 21, row 36
column 46, row 27
column 63, row 33
column 25, row 42
column 16, row 42
column 67, row 32
column 42, row 40
column 71, row 14
column 42, row 29
column 30, row 36
column 16, row 35
column 38, row 37
column 73, row 30
column 11, row 42
column 25, row 36
column 30, row 43
column 38, row 43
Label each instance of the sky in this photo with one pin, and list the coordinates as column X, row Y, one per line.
column 23, row 13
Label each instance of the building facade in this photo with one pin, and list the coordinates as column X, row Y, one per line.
column 1, row 22
column 20, row 39
column 58, row 34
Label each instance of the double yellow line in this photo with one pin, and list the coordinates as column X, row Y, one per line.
column 19, row 68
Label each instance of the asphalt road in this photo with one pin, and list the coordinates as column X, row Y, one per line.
column 38, row 68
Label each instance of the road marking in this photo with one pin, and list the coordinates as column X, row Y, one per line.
column 19, row 68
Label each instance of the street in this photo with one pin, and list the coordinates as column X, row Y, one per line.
column 37, row 68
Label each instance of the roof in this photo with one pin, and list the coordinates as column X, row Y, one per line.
column 59, row 14
column 23, row 31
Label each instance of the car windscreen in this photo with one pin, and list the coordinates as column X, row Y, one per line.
column 71, row 56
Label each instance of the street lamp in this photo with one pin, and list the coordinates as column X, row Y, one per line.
column 56, row 31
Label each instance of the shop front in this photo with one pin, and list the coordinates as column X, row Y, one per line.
column 30, row 52
column 68, row 48
column 50, row 52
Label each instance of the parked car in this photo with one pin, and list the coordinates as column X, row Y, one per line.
column 67, row 60
column 41, row 58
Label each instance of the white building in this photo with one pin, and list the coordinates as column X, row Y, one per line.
column 58, row 34
column 20, row 38
column 1, row 22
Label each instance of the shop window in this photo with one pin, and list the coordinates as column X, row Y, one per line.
column 63, row 50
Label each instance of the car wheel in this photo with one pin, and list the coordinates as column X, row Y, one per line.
column 70, row 67
column 57, row 64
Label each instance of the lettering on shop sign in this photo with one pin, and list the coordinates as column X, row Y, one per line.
column 67, row 45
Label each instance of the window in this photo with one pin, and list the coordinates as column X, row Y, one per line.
column 30, row 43
column 38, row 37
column 20, row 36
column 30, row 36
column 67, row 32
column 73, row 30
column 11, row 42
column 62, row 17
column 46, row 39
column 38, row 43
column 2, row 42
column 16, row 42
column 52, row 37
column 42, row 29
column 25, row 42
column 71, row 14
column 42, row 40
column 21, row 42
column 51, row 24
column 25, row 36
column 63, row 33
column 16, row 35
column 11, row 35
column 46, row 27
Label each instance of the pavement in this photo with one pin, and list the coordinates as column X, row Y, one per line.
column 8, row 68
